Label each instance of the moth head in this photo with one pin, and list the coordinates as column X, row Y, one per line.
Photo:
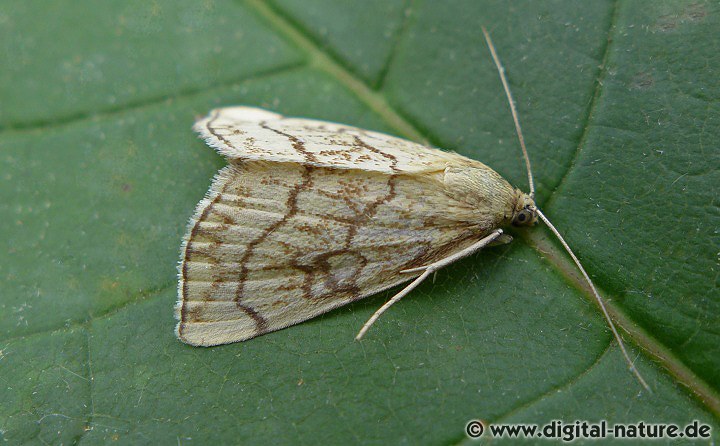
column 525, row 211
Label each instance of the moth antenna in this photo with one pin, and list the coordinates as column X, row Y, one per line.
column 597, row 298
column 513, row 110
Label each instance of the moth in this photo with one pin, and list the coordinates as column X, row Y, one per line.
column 311, row 215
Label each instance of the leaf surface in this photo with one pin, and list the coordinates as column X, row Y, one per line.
column 100, row 173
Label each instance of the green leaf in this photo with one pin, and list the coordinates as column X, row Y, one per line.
column 100, row 173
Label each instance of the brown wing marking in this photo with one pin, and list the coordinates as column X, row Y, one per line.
column 310, row 271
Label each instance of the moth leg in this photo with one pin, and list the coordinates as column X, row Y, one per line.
column 494, row 237
column 504, row 239
column 427, row 270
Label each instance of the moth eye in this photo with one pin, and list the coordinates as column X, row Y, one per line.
column 523, row 218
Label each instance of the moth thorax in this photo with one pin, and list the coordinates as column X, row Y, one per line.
column 525, row 213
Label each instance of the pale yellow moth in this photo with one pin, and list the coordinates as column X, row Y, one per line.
column 311, row 215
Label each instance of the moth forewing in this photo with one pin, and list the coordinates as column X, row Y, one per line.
column 312, row 215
